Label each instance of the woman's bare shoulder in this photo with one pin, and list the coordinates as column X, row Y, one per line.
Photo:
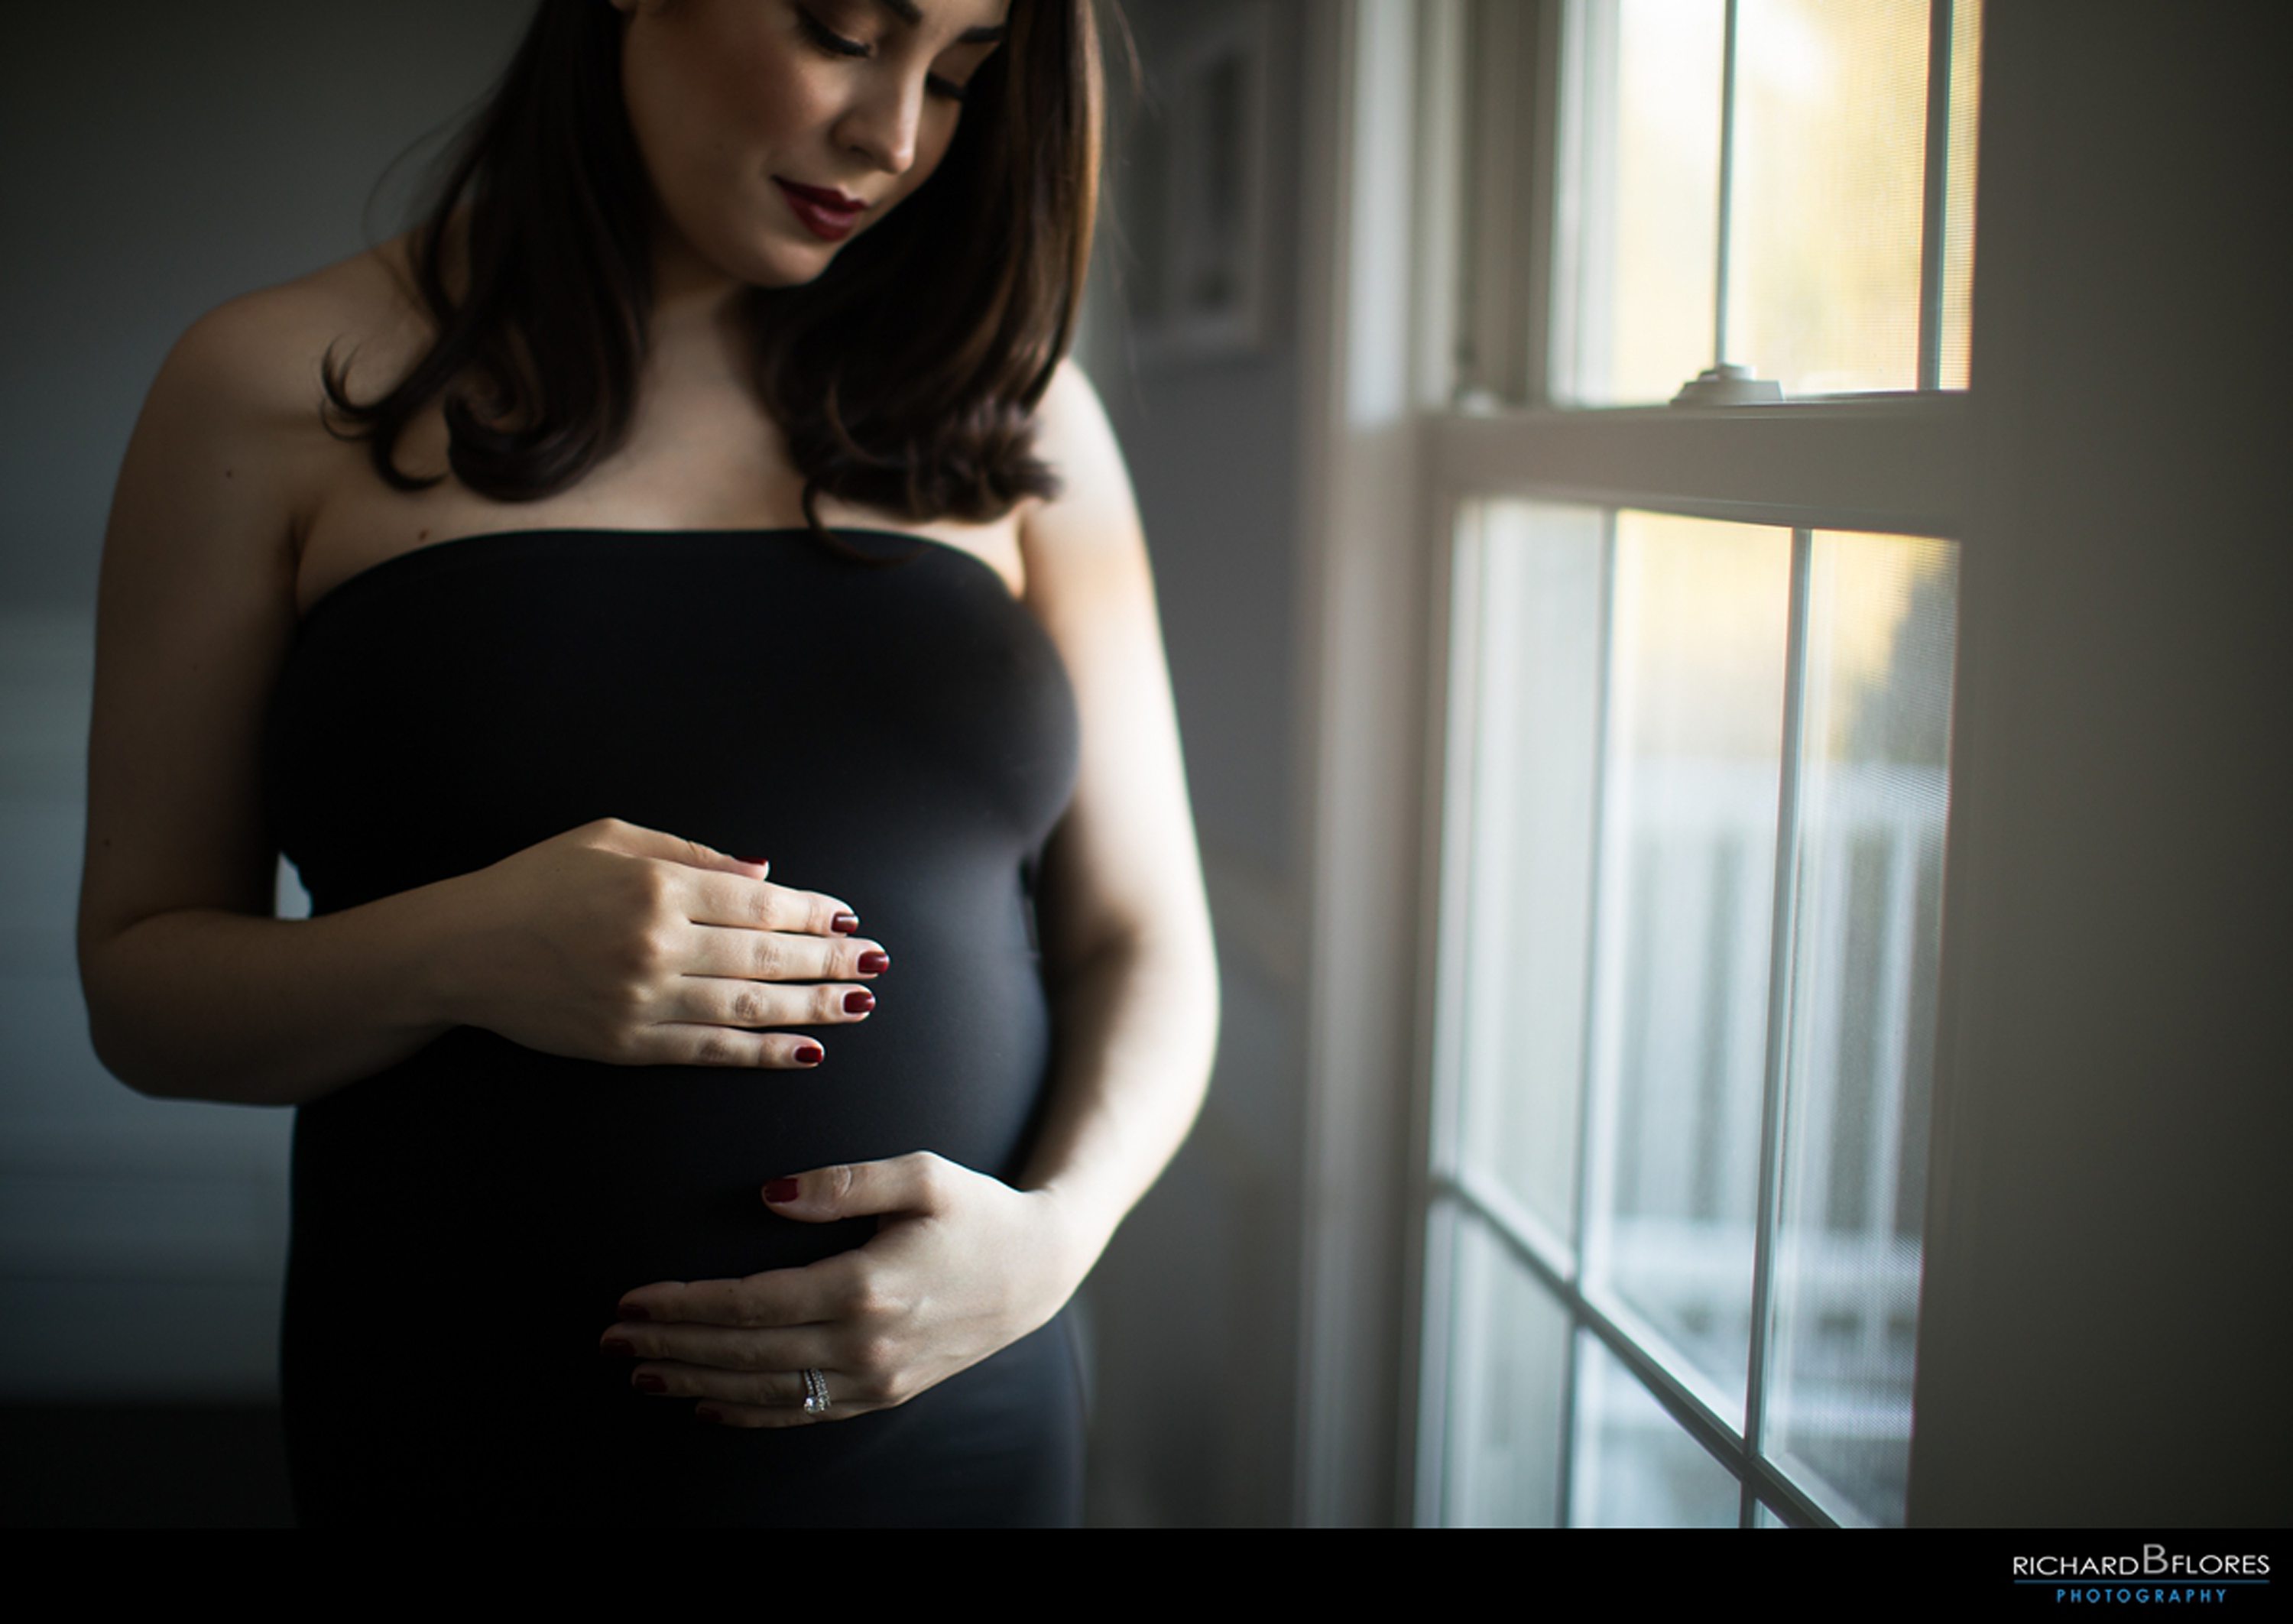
column 254, row 364
column 1096, row 507
column 1070, row 402
column 265, row 348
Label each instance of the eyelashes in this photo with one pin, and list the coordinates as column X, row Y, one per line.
column 826, row 38
column 835, row 44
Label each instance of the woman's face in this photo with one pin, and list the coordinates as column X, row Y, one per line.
column 742, row 106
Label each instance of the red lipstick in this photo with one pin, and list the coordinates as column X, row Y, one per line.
column 830, row 215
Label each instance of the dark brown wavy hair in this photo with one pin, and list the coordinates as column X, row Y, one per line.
column 895, row 389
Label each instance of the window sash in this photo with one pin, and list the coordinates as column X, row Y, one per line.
column 1518, row 129
column 1897, row 463
column 1458, row 1190
column 1381, row 410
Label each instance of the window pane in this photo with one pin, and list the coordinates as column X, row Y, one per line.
column 1529, row 589
column 1507, row 1398
column 1633, row 1467
column 1826, row 196
column 1828, row 193
column 1646, row 251
column 1685, row 916
column 1882, row 612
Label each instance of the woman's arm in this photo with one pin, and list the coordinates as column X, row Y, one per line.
column 1124, row 922
column 966, row 1264
column 193, row 990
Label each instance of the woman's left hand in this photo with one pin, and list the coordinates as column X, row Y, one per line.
column 961, row 1267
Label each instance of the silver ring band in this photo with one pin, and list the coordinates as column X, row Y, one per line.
column 815, row 1393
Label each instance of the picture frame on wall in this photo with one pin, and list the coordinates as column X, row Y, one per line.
column 1198, row 194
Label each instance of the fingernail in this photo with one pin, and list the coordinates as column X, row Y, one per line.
column 614, row 1345
column 707, row 1414
column 754, row 861
column 859, row 1001
column 809, row 1054
column 843, row 925
column 783, row 1190
column 630, row 1311
column 652, row 1383
column 874, row 963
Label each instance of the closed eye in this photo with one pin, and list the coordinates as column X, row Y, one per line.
column 826, row 37
column 835, row 44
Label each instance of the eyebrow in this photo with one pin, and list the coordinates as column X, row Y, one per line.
column 909, row 12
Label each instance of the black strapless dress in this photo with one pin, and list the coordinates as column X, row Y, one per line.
column 464, row 1223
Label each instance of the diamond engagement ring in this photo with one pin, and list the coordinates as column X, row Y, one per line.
column 815, row 1393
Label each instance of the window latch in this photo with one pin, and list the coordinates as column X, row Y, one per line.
column 1728, row 384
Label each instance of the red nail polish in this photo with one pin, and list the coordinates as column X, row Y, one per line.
column 652, row 1383
column 783, row 1190
column 843, row 925
column 707, row 1414
column 810, row 1054
column 873, row 963
column 754, row 862
column 631, row 1311
column 859, row 1001
column 619, row 1347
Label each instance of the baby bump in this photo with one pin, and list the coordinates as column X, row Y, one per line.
column 475, row 1152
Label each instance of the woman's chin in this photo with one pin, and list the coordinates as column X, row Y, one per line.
column 794, row 270
column 786, row 252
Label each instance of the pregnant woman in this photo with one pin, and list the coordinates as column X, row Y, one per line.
column 688, row 623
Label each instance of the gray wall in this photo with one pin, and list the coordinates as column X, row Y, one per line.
column 2106, row 1308
column 1196, row 1302
column 160, row 159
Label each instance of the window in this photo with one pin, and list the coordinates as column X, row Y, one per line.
column 1697, row 702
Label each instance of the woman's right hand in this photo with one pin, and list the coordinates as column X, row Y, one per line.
column 619, row 943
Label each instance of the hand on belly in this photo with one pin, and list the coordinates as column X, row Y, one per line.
column 634, row 946
column 961, row 1267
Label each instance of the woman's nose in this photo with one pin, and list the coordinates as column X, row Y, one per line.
column 884, row 127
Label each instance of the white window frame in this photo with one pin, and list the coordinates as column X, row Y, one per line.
column 1395, row 453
